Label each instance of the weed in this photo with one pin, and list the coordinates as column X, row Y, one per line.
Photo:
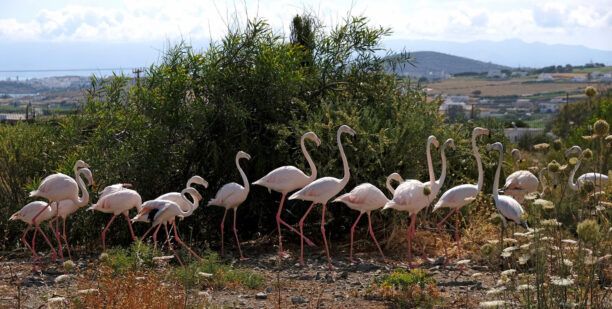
column 407, row 289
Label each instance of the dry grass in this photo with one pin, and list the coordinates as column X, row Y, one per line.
column 131, row 290
column 465, row 86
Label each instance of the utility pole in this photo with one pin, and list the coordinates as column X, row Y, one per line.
column 137, row 71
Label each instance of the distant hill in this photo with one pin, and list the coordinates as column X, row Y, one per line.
column 436, row 65
column 513, row 52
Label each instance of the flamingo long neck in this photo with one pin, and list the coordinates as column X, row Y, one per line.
column 347, row 172
column 478, row 162
column 193, row 205
column 389, row 186
column 84, row 198
column 570, row 179
column 243, row 175
column 440, row 181
column 497, row 174
column 313, row 167
column 432, row 176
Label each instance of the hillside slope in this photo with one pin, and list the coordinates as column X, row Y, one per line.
column 434, row 65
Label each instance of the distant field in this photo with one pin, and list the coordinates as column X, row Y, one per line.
column 601, row 69
column 517, row 86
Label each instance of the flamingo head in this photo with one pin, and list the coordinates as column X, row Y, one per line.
column 480, row 131
column 80, row 164
column 450, row 143
column 346, row 129
column 516, row 154
column 573, row 151
column 433, row 140
column 193, row 192
column 243, row 155
column 197, row 180
column 495, row 146
column 397, row 177
column 313, row 137
column 88, row 175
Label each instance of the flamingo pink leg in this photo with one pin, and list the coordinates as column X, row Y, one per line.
column 281, row 221
column 66, row 237
column 411, row 231
column 53, row 252
column 127, row 218
column 104, row 232
column 302, row 233
column 155, row 238
column 457, row 235
column 329, row 264
column 236, row 235
column 171, row 246
column 439, row 225
column 147, row 233
column 180, row 241
column 55, row 225
column 278, row 223
column 352, row 234
column 222, row 228
column 25, row 241
column 374, row 237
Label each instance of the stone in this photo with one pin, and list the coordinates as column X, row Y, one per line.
column 296, row 300
column 261, row 295
column 62, row 278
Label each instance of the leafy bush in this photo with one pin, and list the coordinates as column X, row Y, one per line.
column 414, row 288
column 210, row 272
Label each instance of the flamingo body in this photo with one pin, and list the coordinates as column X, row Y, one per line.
column 457, row 197
column 521, row 183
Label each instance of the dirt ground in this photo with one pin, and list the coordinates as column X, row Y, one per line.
column 312, row 286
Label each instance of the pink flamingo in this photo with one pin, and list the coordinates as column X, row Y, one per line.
column 599, row 180
column 461, row 195
column 43, row 212
column 58, row 187
column 321, row 191
column 147, row 212
column 290, row 178
column 67, row 207
column 167, row 212
column 365, row 198
column 230, row 196
column 521, row 182
column 119, row 202
column 413, row 195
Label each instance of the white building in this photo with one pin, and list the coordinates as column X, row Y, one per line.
column 545, row 77
column 515, row 134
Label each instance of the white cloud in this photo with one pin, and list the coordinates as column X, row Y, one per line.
column 569, row 21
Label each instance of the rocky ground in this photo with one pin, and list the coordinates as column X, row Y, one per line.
column 314, row 286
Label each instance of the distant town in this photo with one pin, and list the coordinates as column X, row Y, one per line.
column 474, row 89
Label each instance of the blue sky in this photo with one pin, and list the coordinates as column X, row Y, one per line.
column 578, row 22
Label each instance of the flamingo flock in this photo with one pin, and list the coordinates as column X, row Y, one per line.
column 64, row 195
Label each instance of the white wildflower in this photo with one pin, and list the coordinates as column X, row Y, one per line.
column 525, row 246
column 524, row 287
column 568, row 263
column 492, row 304
column 493, row 241
column 510, row 249
column 495, row 291
column 546, row 238
column 506, row 254
column 462, row 262
column 476, row 275
column 551, row 222
column 523, row 259
column 545, row 204
column 508, row 272
column 510, row 240
column 502, row 281
column 561, row 281
column 569, row 241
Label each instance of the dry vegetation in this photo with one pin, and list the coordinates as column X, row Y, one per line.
column 515, row 86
